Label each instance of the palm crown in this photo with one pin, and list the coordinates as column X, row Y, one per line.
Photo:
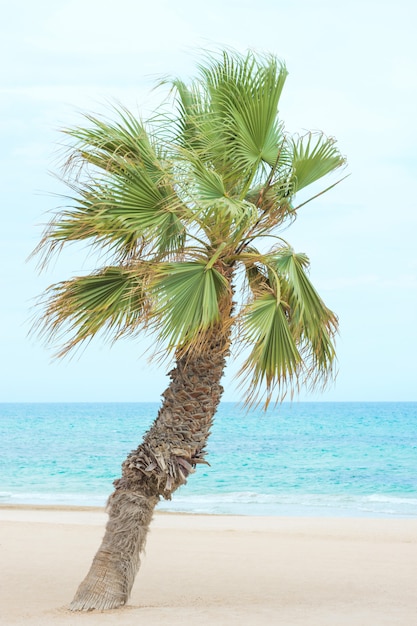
column 182, row 206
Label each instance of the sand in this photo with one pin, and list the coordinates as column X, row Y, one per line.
column 217, row 570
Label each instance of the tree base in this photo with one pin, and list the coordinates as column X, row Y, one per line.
column 109, row 582
column 103, row 588
column 90, row 600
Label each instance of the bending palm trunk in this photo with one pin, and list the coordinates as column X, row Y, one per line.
column 171, row 448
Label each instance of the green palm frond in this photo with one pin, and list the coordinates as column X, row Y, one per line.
column 133, row 197
column 312, row 322
column 231, row 114
column 192, row 112
column 108, row 145
column 314, row 156
column 112, row 300
column 188, row 297
column 293, row 343
column 223, row 216
column 274, row 361
column 245, row 95
column 140, row 206
column 209, row 185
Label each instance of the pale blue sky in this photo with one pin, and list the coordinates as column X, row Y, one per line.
column 352, row 73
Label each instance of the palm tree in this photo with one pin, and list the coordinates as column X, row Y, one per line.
column 181, row 207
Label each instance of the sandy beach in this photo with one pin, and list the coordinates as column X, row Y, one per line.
column 215, row 570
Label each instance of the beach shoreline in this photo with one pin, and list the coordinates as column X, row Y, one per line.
column 214, row 569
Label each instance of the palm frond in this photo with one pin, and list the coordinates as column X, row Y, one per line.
column 192, row 111
column 112, row 300
column 304, row 326
column 132, row 197
column 224, row 217
column 188, row 296
column 231, row 113
column 274, row 362
column 108, row 145
column 314, row 156
column 312, row 322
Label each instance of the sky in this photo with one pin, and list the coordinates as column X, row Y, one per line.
column 352, row 74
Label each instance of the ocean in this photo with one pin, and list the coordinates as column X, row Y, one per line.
column 310, row 459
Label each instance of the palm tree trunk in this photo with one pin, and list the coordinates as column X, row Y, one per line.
column 170, row 450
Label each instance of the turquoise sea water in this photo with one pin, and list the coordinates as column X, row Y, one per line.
column 355, row 459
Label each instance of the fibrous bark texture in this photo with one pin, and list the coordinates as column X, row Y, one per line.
column 170, row 450
column 112, row 573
